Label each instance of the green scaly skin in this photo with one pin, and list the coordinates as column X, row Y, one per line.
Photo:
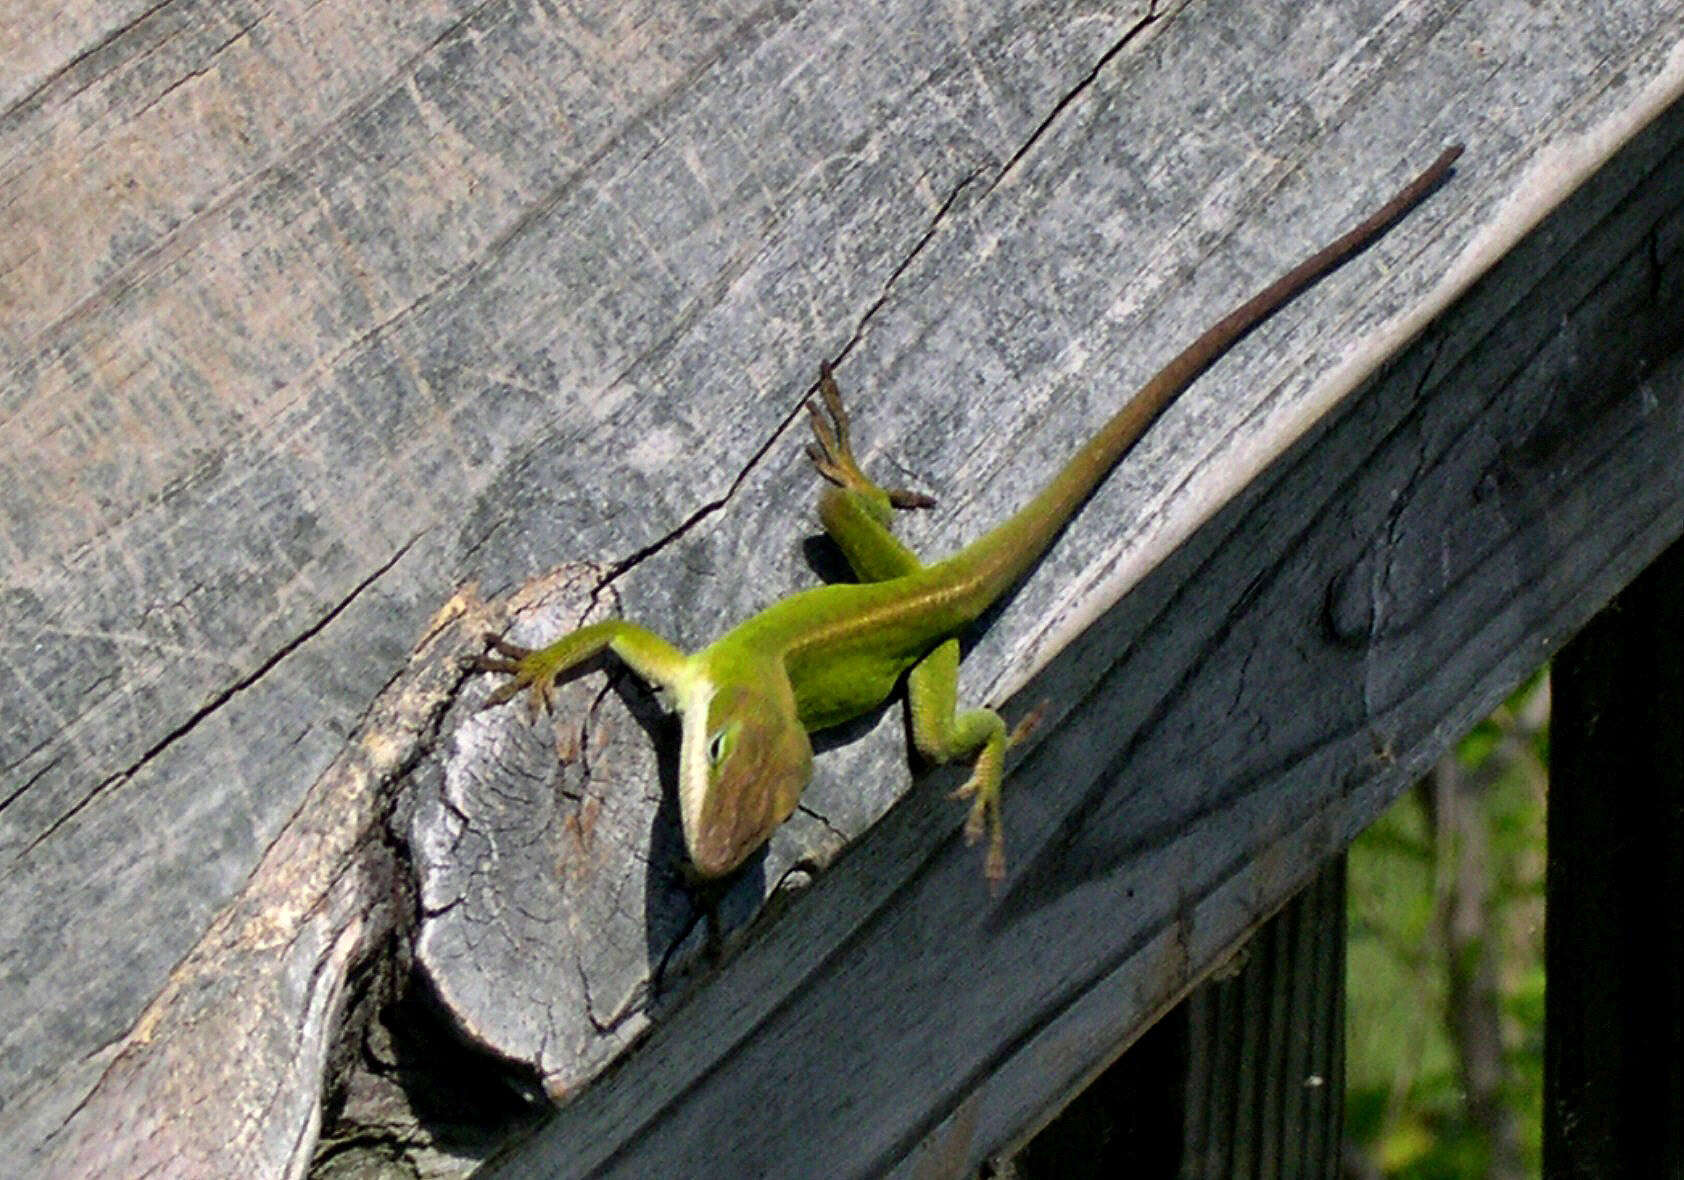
column 829, row 654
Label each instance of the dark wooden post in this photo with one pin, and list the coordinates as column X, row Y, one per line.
column 1614, row 943
column 1245, row 1078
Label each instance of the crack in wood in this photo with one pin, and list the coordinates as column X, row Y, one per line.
column 200, row 71
column 1071, row 95
column 217, row 702
column 69, row 67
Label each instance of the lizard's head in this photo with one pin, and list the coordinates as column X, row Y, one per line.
column 744, row 763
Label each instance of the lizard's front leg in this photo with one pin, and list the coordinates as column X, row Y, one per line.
column 641, row 650
column 856, row 512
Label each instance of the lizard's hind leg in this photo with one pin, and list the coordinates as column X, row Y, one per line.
column 858, row 515
column 945, row 733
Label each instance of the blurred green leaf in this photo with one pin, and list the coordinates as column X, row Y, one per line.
column 1405, row 1109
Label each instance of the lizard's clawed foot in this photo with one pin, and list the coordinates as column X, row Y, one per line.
column 984, row 818
column 832, row 452
column 983, row 790
column 527, row 668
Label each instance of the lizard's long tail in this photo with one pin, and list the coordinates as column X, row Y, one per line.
column 997, row 560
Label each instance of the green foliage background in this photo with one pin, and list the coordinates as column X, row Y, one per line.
column 1407, row 1114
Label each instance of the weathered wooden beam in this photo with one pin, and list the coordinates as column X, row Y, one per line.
column 1234, row 720
column 311, row 319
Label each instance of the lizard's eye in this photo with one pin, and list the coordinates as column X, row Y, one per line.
column 717, row 745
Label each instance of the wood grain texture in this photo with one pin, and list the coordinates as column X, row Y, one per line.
column 1244, row 1078
column 1265, row 1073
column 227, row 1062
column 1232, row 722
column 311, row 315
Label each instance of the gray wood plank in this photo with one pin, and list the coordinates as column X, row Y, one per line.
column 1232, row 722
column 310, row 318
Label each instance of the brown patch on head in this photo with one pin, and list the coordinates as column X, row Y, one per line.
column 755, row 785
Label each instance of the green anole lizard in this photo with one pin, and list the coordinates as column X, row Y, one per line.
column 831, row 653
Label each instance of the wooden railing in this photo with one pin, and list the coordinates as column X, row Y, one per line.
column 332, row 341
